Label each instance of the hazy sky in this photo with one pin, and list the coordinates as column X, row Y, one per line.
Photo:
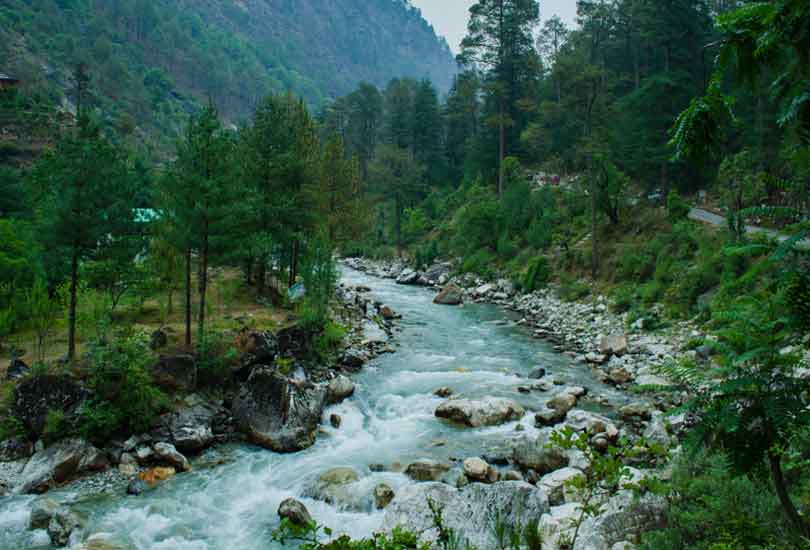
column 449, row 17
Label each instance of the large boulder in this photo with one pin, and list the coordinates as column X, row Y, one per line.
column 189, row 429
column 295, row 341
column 36, row 396
column 557, row 485
column 295, row 512
column 475, row 413
column 168, row 454
column 562, row 403
column 470, row 512
column 333, row 487
column 451, row 295
column 257, row 348
column 539, row 454
column 623, row 517
column 277, row 412
column 615, row 344
column 59, row 463
column 478, row 469
column 383, row 495
column 338, row 389
column 438, row 272
column 408, row 277
column 175, row 373
column 62, row 524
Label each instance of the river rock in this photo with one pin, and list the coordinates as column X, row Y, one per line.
column 468, row 511
column 128, row 464
column 62, row 524
column 489, row 411
column 137, row 487
column 556, row 485
column 332, row 487
column 450, row 295
column 615, row 344
column 59, row 463
column 15, row 448
column 339, row 388
column 387, row 313
column 101, row 541
column 175, row 373
column 581, row 421
column 153, row 476
column 620, row 376
column 190, row 428
column 656, row 430
column 277, row 412
column 408, row 277
column 559, row 524
column 426, row 470
column 17, row 369
column 477, row 469
column 167, row 453
column 36, row 396
column 539, row 454
column 622, row 517
column 295, row 511
column 562, row 403
column 383, row 495
column 549, row 417
column 444, row 393
column 537, row 373
column 42, row 510
column 636, row 410
column 335, row 420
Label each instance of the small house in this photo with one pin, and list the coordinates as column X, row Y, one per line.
column 7, row 83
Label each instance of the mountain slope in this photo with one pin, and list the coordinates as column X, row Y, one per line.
column 152, row 61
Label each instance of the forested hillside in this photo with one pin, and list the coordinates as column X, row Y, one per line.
column 153, row 60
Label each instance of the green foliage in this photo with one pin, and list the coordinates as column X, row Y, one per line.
column 308, row 537
column 54, row 425
column 125, row 399
column 537, row 275
column 711, row 508
column 320, row 277
column 677, row 208
column 481, row 263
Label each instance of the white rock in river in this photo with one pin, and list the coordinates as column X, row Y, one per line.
column 489, row 411
column 468, row 511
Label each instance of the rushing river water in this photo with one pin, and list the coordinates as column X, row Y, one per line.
column 476, row 350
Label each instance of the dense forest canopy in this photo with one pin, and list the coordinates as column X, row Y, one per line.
column 156, row 61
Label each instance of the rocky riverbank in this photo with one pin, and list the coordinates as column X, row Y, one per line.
column 274, row 396
column 623, row 357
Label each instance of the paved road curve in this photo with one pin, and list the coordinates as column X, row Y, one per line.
column 704, row 216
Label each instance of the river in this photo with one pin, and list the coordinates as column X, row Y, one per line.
column 229, row 501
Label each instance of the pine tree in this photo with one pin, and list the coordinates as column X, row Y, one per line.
column 500, row 42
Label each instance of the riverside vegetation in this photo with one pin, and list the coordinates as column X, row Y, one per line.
column 561, row 167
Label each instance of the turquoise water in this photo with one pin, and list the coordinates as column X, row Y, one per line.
column 476, row 350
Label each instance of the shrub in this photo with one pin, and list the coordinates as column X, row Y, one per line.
column 481, row 263
column 54, row 425
column 573, row 289
column 125, row 399
column 537, row 275
column 712, row 509
column 677, row 207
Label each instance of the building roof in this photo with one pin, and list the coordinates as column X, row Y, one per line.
column 5, row 77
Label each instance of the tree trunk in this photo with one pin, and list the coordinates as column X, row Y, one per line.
column 203, row 288
column 594, row 237
column 398, row 224
column 188, row 299
column 74, row 281
column 501, row 144
column 789, row 508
